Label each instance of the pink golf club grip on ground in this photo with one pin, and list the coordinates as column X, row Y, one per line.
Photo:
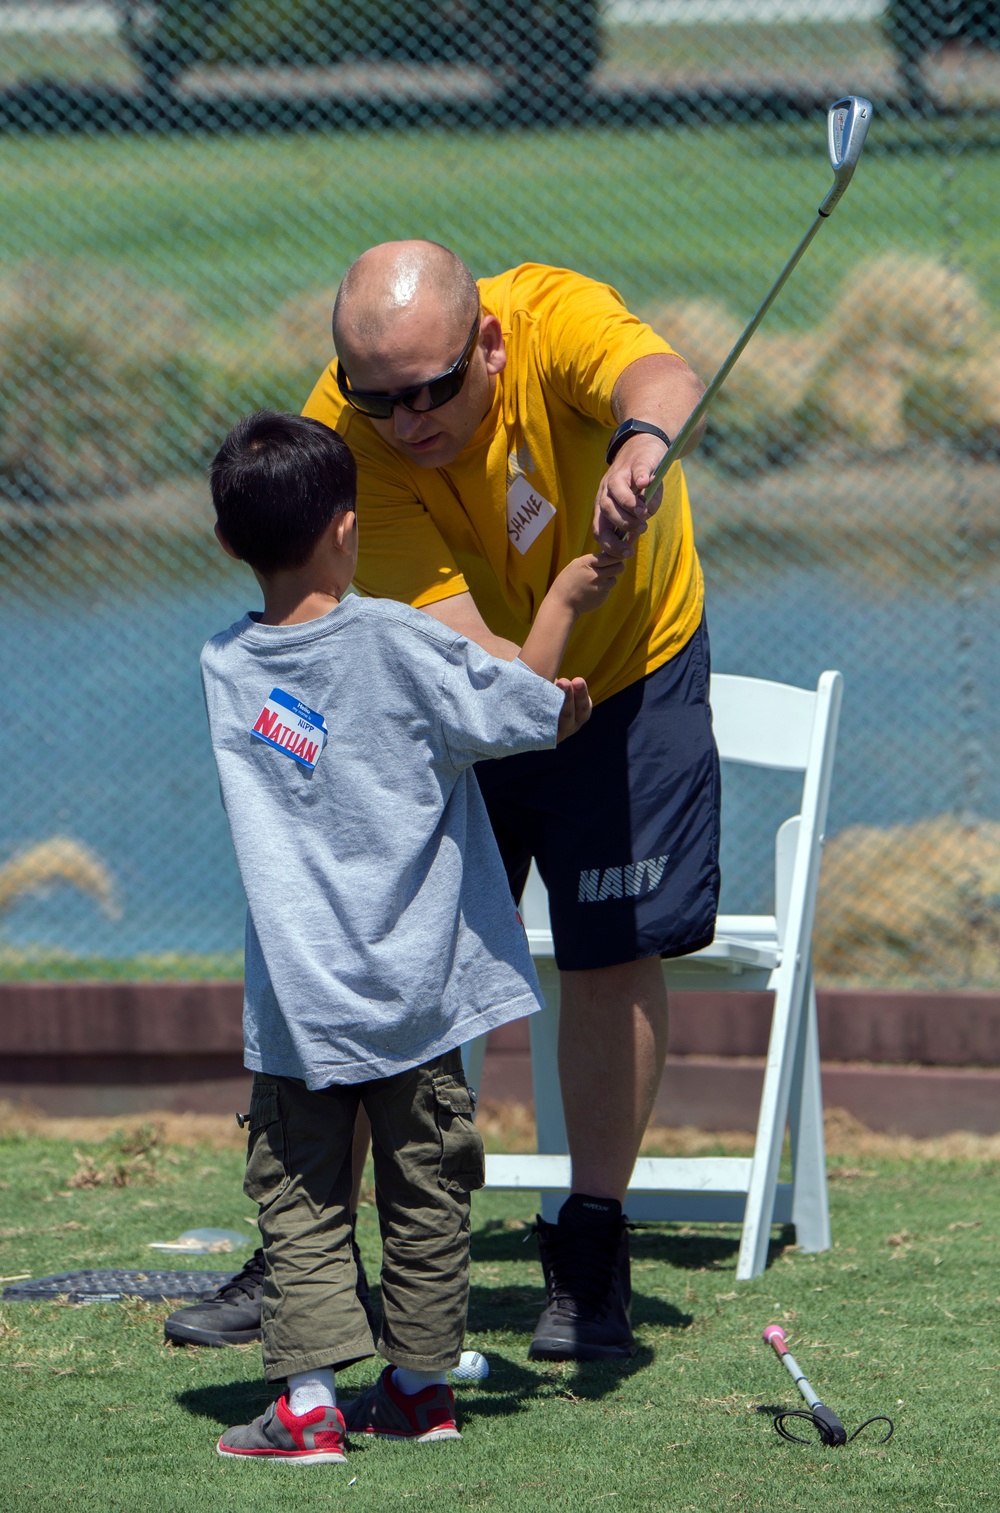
column 775, row 1335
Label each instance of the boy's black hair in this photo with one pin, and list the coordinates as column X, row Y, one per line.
column 277, row 482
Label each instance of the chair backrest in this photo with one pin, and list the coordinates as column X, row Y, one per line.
column 763, row 724
column 776, row 725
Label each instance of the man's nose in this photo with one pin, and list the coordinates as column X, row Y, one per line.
column 407, row 422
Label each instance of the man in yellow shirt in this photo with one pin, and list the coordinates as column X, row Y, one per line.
column 499, row 428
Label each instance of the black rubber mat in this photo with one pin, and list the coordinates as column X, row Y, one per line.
column 110, row 1286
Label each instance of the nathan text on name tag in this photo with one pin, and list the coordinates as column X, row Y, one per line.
column 292, row 728
column 527, row 514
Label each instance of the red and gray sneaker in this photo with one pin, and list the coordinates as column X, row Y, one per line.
column 310, row 1439
column 421, row 1417
column 588, row 1284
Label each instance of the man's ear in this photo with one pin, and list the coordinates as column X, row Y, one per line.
column 220, row 538
column 491, row 341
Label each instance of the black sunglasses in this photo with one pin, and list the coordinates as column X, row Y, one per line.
column 438, row 390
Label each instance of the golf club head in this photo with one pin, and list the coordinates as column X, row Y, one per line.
column 847, row 123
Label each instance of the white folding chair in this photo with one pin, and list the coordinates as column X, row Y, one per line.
column 762, row 724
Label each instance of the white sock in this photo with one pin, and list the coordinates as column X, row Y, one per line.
column 415, row 1381
column 312, row 1389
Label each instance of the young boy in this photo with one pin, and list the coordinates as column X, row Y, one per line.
column 380, row 932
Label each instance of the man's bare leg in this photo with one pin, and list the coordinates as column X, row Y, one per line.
column 359, row 1155
column 612, row 1046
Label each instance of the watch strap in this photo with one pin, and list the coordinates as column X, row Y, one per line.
column 628, row 429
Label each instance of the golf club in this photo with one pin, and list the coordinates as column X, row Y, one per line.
column 847, row 123
column 831, row 1431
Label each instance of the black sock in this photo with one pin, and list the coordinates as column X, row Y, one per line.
column 581, row 1211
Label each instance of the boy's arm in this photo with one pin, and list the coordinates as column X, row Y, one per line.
column 581, row 586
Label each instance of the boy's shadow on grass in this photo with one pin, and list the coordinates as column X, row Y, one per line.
column 514, row 1309
column 512, row 1386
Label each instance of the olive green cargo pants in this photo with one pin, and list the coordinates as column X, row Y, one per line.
column 428, row 1158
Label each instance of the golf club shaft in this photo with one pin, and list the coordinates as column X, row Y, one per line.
column 847, row 123
column 797, row 1375
column 689, row 427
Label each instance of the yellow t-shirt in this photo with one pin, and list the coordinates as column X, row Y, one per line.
column 517, row 504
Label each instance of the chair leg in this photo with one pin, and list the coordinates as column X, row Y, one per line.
column 550, row 1123
column 771, row 1125
column 810, row 1205
column 473, row 1053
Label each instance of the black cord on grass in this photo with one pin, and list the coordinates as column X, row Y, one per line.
column 823, row 1430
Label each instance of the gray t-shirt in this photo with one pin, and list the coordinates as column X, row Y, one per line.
column 380, row 929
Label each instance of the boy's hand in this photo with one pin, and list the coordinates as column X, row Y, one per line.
column 586, row 582
column 576, row 706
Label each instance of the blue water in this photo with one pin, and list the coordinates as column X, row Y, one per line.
column 104, row 737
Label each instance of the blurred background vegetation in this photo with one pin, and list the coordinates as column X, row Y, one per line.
column 156, row 284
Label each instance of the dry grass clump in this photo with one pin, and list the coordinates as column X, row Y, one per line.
column 959, row 397
column 99, row 395
column 901, row 323
column 912, row 903
column 908, row 353
column 57, row 860
column 753, row 420
column 506, row 1126
column 214, row 1131
column 914, row 301
column 106, row 396
column 846, row 1137
column 131, row 1159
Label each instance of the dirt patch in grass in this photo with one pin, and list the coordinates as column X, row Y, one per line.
column 505, row 1127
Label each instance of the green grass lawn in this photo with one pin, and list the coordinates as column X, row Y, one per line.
column 236, row 225
column 899, row 1317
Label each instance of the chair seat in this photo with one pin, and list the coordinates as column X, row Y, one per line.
column 710, row 1189
column 741, row 940
column 653, row 1174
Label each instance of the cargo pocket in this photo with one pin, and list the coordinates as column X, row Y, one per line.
column 266, row 1174
column 463, row 1163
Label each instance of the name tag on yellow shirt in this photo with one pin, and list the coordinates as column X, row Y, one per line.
column 528, row 513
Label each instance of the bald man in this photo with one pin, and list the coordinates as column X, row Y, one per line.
column 499, row 427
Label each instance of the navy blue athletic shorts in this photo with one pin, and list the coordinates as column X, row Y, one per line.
column 622, row 819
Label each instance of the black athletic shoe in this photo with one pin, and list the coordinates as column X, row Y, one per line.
column 588, row 1283
column 231, row 1316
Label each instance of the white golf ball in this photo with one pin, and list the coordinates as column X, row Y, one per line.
column 472, row 1367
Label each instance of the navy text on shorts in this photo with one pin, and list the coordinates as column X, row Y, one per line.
column 622, row 819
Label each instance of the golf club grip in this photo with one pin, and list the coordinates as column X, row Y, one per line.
column 689, row 427
column 774, row 1335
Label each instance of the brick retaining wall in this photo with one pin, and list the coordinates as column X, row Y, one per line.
column 912, row 1063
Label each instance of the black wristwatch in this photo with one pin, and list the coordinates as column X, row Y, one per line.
column 627, row 429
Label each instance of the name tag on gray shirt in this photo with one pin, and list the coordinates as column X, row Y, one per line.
column 380, row 926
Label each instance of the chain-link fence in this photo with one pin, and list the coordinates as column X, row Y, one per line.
column 182, row 185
